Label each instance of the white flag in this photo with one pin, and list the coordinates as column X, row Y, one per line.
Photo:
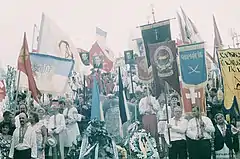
column 53, row 41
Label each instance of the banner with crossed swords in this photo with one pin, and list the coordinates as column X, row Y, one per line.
column 193, row 64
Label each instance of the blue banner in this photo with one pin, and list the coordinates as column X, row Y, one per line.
column 193, row 64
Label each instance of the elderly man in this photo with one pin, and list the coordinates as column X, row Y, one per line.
column 24, row 142
column 199, row 133
column 178, row 128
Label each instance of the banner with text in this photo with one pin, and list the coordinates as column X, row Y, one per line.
column 229, row 60
column 193, row 64
column 51, row 73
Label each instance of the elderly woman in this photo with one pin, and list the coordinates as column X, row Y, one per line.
column 41, row 132
column 223, row 141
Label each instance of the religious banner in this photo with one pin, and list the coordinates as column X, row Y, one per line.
column 155, row 33
column 193, row 64
column 230, row 69
column 85, row 58
column 144, row 74
column 192, row 97
column 163, row 58
column 140, row 46
column 128, row 56
column 100, row 54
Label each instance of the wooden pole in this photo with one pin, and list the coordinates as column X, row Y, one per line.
column 84, row 89
column 131, row 79
column 166, row 104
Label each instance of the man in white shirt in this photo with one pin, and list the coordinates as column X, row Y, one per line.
column 148, row 108
column 178, row 128
column 199, row 133
column 24, row 142
column 56, row 128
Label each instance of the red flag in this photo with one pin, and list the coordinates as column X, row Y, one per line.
column 24, row 65
column 2, row 90
column 196, row 98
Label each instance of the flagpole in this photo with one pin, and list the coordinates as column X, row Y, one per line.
column 33, row 37
column 84, row 89
column 16, row 97
column 131, row 79
column 40, row 32
column 166, row 104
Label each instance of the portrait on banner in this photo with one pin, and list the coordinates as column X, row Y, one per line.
column 129, row 58
column 85, row 58
column 98, row 61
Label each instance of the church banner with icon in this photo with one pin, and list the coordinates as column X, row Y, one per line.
column 193, row 64
column 163, row 58
column 192, row 97
column 128, row 56
column 85, row 58
column 229, row 60
column 144, row 74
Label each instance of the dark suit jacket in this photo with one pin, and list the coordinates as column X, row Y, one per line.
column 220, row 140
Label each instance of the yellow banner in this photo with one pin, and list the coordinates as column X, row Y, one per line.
column 230, row 67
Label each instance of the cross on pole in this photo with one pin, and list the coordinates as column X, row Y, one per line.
column 153, row 13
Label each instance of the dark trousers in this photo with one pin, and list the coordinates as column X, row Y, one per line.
column 178, row 150
column 22, row 154
column 199, row 149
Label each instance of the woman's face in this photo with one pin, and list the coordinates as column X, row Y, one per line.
column 5, row 129
column 40, row 113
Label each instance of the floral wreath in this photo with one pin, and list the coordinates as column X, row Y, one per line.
column 143, row 145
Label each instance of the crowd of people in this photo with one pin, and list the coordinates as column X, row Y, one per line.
column 53, row 130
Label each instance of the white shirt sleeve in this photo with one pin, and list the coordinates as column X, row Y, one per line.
column 208, row 125
column 190, row 133
column 141, row 106
column 17, row 121
column 33, row 144
column 181, row 128
column 62, row 125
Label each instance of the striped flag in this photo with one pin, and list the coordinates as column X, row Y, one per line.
column 100, row 32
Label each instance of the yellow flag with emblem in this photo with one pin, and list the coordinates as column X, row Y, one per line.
column 229, row 61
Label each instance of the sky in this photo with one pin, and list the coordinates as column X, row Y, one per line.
column 120, row 18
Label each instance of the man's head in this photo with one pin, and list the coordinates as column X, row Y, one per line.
column 213, row 92
column 23, row 118
column 174, row 100
column 8, row 116
column 22, row 108
column 196, row 112
column 177, row 112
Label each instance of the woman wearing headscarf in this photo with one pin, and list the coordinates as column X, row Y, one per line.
column 223, row 142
